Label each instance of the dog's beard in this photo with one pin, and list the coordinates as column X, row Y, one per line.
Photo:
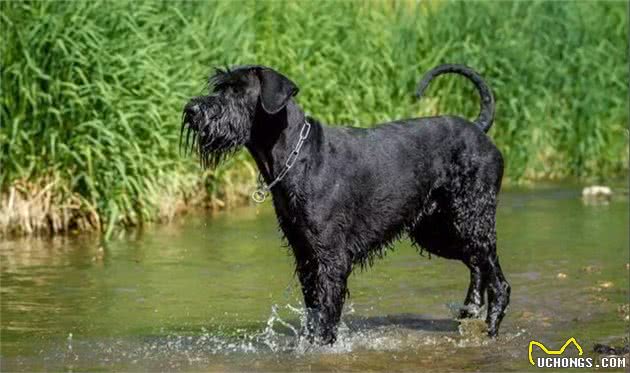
column 217, row 131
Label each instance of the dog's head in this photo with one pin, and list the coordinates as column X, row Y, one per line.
column 222, row 121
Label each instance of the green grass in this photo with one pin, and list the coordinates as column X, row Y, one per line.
column 92, row 92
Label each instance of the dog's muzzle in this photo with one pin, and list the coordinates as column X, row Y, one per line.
column 209, row 132
column 191, row 111
column 196, row 117
column 192, row 122
column 196, row 112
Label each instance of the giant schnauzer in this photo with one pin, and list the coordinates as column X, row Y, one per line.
column 342, row 195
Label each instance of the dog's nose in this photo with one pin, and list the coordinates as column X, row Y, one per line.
column 191, row 110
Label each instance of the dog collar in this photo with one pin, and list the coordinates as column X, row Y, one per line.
column 260, row 194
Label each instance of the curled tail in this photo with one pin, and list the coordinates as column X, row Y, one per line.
column 486, row 115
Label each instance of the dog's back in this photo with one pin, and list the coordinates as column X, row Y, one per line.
column 382, row 178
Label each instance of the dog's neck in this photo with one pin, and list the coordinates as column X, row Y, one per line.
column 275, row 136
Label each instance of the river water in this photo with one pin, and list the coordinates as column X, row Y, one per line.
column 218, row 293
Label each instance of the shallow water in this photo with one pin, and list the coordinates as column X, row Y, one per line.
column 218, row 293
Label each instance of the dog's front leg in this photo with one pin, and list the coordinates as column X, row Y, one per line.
column 307, row 273
column 332, row 288
column 324, row 286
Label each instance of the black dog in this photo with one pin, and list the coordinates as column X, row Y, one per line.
column 342, row 195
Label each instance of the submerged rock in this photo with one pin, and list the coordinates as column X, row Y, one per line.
column 624, row 311
column 473, row 328
column 603, row 349
column 597, row 194
column 606, row 284
column 591, row 269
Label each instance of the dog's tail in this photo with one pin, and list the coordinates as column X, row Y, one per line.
column 486, row 115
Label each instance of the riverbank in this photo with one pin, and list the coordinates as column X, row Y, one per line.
column 42, row 213
column 90, row 113
column 49, row 207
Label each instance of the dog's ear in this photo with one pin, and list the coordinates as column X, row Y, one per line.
column 275, row 90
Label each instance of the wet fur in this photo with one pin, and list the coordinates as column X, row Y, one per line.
column 353, row 191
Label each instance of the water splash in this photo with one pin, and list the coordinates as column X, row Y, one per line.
column 277, row 341
column 279, row 336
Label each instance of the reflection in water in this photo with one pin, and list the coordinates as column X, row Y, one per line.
column 218, row 293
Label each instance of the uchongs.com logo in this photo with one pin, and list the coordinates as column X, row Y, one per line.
column 559, row 359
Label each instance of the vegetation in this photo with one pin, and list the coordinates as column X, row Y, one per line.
column 92, row 92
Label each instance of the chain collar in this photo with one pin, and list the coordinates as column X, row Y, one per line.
column 260, row 194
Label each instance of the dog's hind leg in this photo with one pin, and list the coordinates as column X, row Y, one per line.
column 486, row 276
column 475, row 222
column 437, row 234
column 498, row 295
column 476, row 289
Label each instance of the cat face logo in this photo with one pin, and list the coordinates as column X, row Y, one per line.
column 553, row 352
